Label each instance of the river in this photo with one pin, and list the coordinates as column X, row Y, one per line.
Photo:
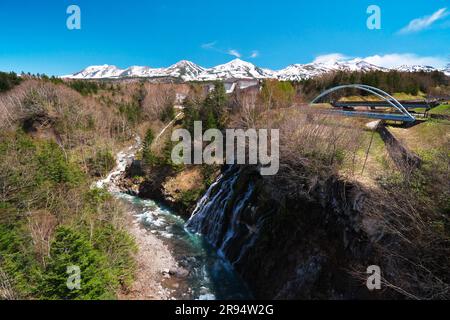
column 209, row 275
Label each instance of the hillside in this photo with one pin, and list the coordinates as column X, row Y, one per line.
column 54, row 143
column 331, row 210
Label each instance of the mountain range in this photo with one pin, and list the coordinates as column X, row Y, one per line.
column 239, row 69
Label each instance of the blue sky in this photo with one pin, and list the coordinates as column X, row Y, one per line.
column 271, row 34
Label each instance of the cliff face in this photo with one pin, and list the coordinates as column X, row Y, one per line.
column 177, row 189
column 287, row 245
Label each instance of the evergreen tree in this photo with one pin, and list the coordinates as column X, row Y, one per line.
column 8, row 81
column 70, row 248
column 191, row 114
column 147, row 155
column 54, row 167
column 214, row 108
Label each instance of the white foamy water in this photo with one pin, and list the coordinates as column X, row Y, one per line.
column 123, row 159
column 210, row 276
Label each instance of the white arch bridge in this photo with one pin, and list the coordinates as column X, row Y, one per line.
column 387, row 101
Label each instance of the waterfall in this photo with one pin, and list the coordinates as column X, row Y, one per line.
column 224, row 214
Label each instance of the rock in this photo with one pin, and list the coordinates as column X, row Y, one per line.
column 181, row 272
column 373, row 125
column 165, row 271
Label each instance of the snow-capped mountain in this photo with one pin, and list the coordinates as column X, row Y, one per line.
column 238, row 69
column 446, row 70
column 184, row 69
column 138, row 71
column 358, row 65
column 298, row 72
column 416, row 68
column 97, row 72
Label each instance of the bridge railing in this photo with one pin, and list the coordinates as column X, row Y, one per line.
column 405, row 115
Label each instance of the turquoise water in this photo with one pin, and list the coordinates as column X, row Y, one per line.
column 210, row 276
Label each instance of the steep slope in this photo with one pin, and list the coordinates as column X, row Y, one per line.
column 237, row 69
column 186, row 70
column 97, row 72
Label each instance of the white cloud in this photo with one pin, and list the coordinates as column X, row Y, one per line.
column 424, row 22
column 234, row 53
column 398, row 59
column 388, row 60
column 331, row 57
column 213, row 46
column 254, row 54
column 209, row 45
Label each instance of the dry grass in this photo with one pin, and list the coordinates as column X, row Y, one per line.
column 6, row 288
column 187, row 180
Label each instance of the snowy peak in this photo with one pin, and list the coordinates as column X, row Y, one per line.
column 416, row 68
column 184, row 69
column 350, row 65
column 237, row 69
column 98, row 72
column 137, row 71
column 297, row 72
column 359, row 65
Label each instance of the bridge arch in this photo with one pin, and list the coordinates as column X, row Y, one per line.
column 375, row 91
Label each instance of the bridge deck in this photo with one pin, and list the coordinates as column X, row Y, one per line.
column 366, row 114
column 384, row 104
column 374, row 115
column 386, row 101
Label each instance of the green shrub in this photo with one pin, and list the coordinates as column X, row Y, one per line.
column 71, row 248
column 55, row 167
column 17, row 259
column 8, row 81
column 84, row 87
column 119, row 247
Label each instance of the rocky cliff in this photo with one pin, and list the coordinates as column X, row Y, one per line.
column 288, row 245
